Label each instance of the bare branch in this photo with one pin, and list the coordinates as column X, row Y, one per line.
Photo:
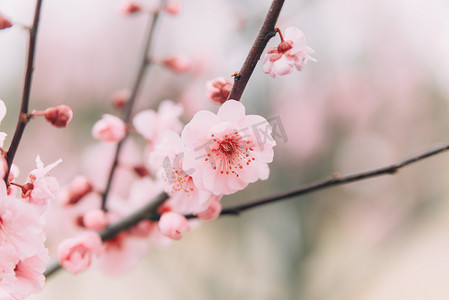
column 265, row 34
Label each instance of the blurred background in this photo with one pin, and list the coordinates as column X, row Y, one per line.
column 377, row 94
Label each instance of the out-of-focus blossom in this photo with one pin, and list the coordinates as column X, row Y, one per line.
column 95, row 219
column 75, row 254
column 173, row 224
column 59, row 116
column 227, row 151
column 121, row 253
column 109, row 129
column 177, row 63
column 4, row 22
column 213, row 211
column 185, row 196
column 129, row 7
column 120, row 98
column 78, row 188
column 153, row 126
column 172, row 7
column 218, row 89
column 291, row 52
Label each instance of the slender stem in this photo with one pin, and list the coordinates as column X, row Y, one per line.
column 146, row 212
column 336, row 180
column 23, row 115
column 265, row 34
column 127, row 110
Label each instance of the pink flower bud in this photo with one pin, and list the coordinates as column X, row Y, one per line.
column 129, row 7
column 109, row 129
column 59, row 116
column 177, row 63
column 218, row 89
column 4, row 23
column 75, row 254
column 95, row 219
column 213, row 211
column 78, row 188
column 173, row 224
column 120, row 98
column 172, row 7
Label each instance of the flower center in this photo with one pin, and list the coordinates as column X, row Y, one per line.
column 229, row 154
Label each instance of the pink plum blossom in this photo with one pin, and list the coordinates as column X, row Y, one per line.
column 291, row 52
column 20, row 225
column 29, row 276
column 177, row 63
column 173, row 224
column 75, row 254
column 95, row 219
column 213, row 211
column 218, row 89
column 172, row 7
column 77, row 189
column 153, row 125
column 41, row 187
column 109, row 129
column 185, row 196
column 121, row 253
column 227, row 151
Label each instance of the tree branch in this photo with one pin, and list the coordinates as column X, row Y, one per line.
column 23, row 115
column 265, row 34
column 334, row 181
column 126, row 113
column 144, row 213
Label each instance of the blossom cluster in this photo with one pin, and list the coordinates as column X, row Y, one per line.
column 23, row 255
column 196, row 164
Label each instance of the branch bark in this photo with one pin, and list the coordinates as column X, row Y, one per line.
column 265, row 34
column 23, row 115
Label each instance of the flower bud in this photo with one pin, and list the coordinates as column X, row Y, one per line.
column 177, row 63
column 4, row 23
column 59, row 116
column 95, row 219
column 129, row 7
column 173, row 224
column 75, row 254
column 172, row 7
column 109, row 129
column 218, row 89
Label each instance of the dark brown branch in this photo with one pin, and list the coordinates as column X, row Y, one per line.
column 127, row 110
column 23, row 115
column 335, row 180
column 144, row 213
column 265, row 34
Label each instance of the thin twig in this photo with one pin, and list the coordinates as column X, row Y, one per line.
column 144, row 213
column 126, row 113
column 335, row 180
column 23, row 115
column 265, row 34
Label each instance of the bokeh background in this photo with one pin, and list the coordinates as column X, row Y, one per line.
column 377, row 94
